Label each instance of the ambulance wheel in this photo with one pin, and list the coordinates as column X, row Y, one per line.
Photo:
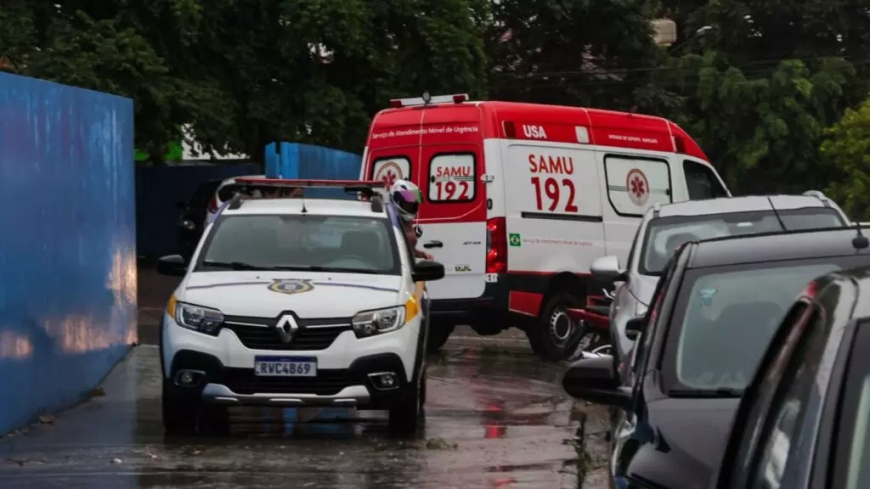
column 439, row 333
column 555, row 329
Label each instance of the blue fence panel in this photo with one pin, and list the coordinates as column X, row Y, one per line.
column 315, row 162
column 67, row 250
column 158, row 192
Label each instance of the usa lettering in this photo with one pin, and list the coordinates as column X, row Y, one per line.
column 534, row 132
column 563, row 165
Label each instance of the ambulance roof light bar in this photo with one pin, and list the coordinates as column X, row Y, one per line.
column 427, row 99
column 371, row 189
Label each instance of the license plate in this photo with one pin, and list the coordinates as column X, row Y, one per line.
column 285, row 366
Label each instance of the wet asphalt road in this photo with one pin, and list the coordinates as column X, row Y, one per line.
column 496, row 417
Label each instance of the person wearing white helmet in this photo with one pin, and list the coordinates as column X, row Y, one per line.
column 407, row 198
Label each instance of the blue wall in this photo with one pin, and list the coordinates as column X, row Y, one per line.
column 67, row 249
column 296, row 160
column 158, row 189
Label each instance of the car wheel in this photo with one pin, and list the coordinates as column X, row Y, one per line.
column 557, row 332
column 439, row 333
column 179, row 412
column 405, row 415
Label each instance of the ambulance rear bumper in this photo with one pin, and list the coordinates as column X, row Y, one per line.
column 487, row 311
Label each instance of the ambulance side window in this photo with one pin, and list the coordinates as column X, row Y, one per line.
column 634, row 183
column 452, row 177
column 702, row 182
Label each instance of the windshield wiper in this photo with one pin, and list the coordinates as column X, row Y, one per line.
column 234, row 265
column 722, row 392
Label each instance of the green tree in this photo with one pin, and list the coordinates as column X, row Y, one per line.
column 847, row 150
column 315, row 71
column 96, row 50
column 756, row 83
column 762, row 132
column 572, row 52
column 245, row 73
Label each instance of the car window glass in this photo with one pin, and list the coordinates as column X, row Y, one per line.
column 644, row 342
column 702, row 182
column 358, row 244
column 665, row 234
column 782, row 435
column 729, row 318
column 633, row 251
column 851, row 460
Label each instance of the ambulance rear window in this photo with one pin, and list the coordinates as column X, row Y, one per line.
column 452, row 177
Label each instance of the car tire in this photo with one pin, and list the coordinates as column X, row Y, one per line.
column 554, row 330
column 405, row 416
column 439, row 333
column 179, row 412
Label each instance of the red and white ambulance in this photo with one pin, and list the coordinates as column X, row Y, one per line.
column 520, row 199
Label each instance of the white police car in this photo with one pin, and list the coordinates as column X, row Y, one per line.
column 297, row 302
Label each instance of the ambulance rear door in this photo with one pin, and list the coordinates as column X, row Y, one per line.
column 452, row 220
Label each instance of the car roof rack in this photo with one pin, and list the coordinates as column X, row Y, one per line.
column 819, row 195
column 373, row 190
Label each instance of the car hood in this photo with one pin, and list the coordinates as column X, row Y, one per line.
column 309, row 295
column 688, row 438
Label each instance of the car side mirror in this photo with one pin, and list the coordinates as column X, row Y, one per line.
column 606, row 268
column 427, row 271
column 634, row 327
column 172, row 265
column 594, row 379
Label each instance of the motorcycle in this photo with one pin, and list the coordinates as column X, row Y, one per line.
column 593, row 323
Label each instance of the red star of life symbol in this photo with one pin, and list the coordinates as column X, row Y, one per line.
column 390, row 178
column 638, row 186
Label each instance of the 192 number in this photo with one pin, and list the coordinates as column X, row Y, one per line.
column 451, row 190
column 553, row 189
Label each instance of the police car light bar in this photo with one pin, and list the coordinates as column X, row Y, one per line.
column 428, row 100
column 300, row 183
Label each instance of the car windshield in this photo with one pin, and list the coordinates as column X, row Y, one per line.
column 665, row 234
column 727, row 315
column 308, row 242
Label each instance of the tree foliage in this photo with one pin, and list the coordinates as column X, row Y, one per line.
column 847, row 151
column 755, row 82
column 245, row 73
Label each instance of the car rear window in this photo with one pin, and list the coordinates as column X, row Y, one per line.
column 666, row 234
column 304, row 243
column 727, row 315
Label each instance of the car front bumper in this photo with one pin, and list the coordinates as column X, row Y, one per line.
column 225, row 368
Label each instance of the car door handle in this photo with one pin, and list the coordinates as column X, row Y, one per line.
column 433, row 244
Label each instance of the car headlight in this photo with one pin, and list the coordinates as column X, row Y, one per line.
column 197, row 318
column 379, row 321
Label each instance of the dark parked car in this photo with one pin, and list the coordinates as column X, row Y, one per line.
column 712, row 316
column 190, row 222
column 804, row 421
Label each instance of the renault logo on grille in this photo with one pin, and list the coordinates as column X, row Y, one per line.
column 287, row 328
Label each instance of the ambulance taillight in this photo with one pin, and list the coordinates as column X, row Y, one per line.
column 496, row 245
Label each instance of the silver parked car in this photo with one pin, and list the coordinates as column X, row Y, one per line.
column 664, row 228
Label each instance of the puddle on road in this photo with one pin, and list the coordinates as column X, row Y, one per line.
column 492, row 420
